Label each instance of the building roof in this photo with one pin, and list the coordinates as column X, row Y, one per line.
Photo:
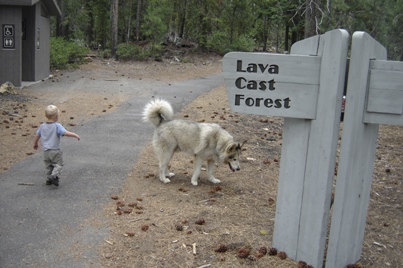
column 50, row 5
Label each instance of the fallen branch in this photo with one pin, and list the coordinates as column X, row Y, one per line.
column 8, row 113
column 26, row 184
column 139, row 219
column 109, row 242
column 379, row 244
column 194, row 248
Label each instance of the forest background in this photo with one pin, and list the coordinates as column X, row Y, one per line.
column 139, row 29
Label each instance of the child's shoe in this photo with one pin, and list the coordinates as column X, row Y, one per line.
column 49, row 182
column 55, row 181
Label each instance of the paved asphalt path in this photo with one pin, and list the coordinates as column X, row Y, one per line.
column 45, row 226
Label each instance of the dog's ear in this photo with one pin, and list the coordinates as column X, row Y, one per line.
column 239, row 146
column 232, row 148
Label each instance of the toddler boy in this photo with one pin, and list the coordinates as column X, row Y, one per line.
column 50, row 132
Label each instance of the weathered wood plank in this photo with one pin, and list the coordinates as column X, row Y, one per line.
column 308, row 157
column 356, row 160
column 385, row 93
column 290, row 185
column 322, row 146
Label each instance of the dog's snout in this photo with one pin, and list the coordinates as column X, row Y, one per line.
column 238, row 168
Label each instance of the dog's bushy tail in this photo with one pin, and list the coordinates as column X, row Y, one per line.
column 157, row 111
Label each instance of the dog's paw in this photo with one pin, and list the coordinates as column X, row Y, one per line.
column 170, row 174
column 194, row 183
column 166, row 180
column 214, row 180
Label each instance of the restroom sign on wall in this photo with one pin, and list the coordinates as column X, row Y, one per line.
column 8, row 36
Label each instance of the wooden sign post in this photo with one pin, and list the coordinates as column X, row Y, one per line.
column 306, row 88
column 374, row 96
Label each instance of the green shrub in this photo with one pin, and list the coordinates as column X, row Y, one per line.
column 105, row 54
column 243, row 43
column 128, row 51
column 219, row 42
column 156, row 50
column 65, row 54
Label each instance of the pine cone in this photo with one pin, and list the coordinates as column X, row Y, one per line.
column 120, row 204
column 272, row 251
column 301, row 264
column 200, row 222
column 259, row 254
column 243, row 253
column 263, row 250
column 252, row 258
column 221, row 248
column 127, row 210
column 179, row 227
column 282, row 255
column 353, row 266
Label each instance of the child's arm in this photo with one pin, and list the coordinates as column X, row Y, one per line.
column 71, row 134
column 36, row 139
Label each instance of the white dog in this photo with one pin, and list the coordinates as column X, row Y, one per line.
column 202, row 140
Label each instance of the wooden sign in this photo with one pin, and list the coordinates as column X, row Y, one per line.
column 301, row 87
column 272, row 84
column 308, row 84
column 385, row 93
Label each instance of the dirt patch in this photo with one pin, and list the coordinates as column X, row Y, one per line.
column 161, row 225
column 239, row 213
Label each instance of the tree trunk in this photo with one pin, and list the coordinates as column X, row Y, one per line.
column 129, row 23
column 401, row 52
column 138, row 20
column 287, row 31
column 265, row 33
column 115, row 12
column 90, row 28
column 232, row 26
column 310, row 18
column 277, row 40
column 183, row 21
column 59, row 21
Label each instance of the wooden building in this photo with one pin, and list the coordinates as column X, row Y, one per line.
column 25, row 39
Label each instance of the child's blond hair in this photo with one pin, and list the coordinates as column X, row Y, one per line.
column 51, row 111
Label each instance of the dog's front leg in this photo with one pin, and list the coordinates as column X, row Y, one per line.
column 164, row 158
column 163, row 178
column 164, row 170
column 210, row 171
column 197, row 170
